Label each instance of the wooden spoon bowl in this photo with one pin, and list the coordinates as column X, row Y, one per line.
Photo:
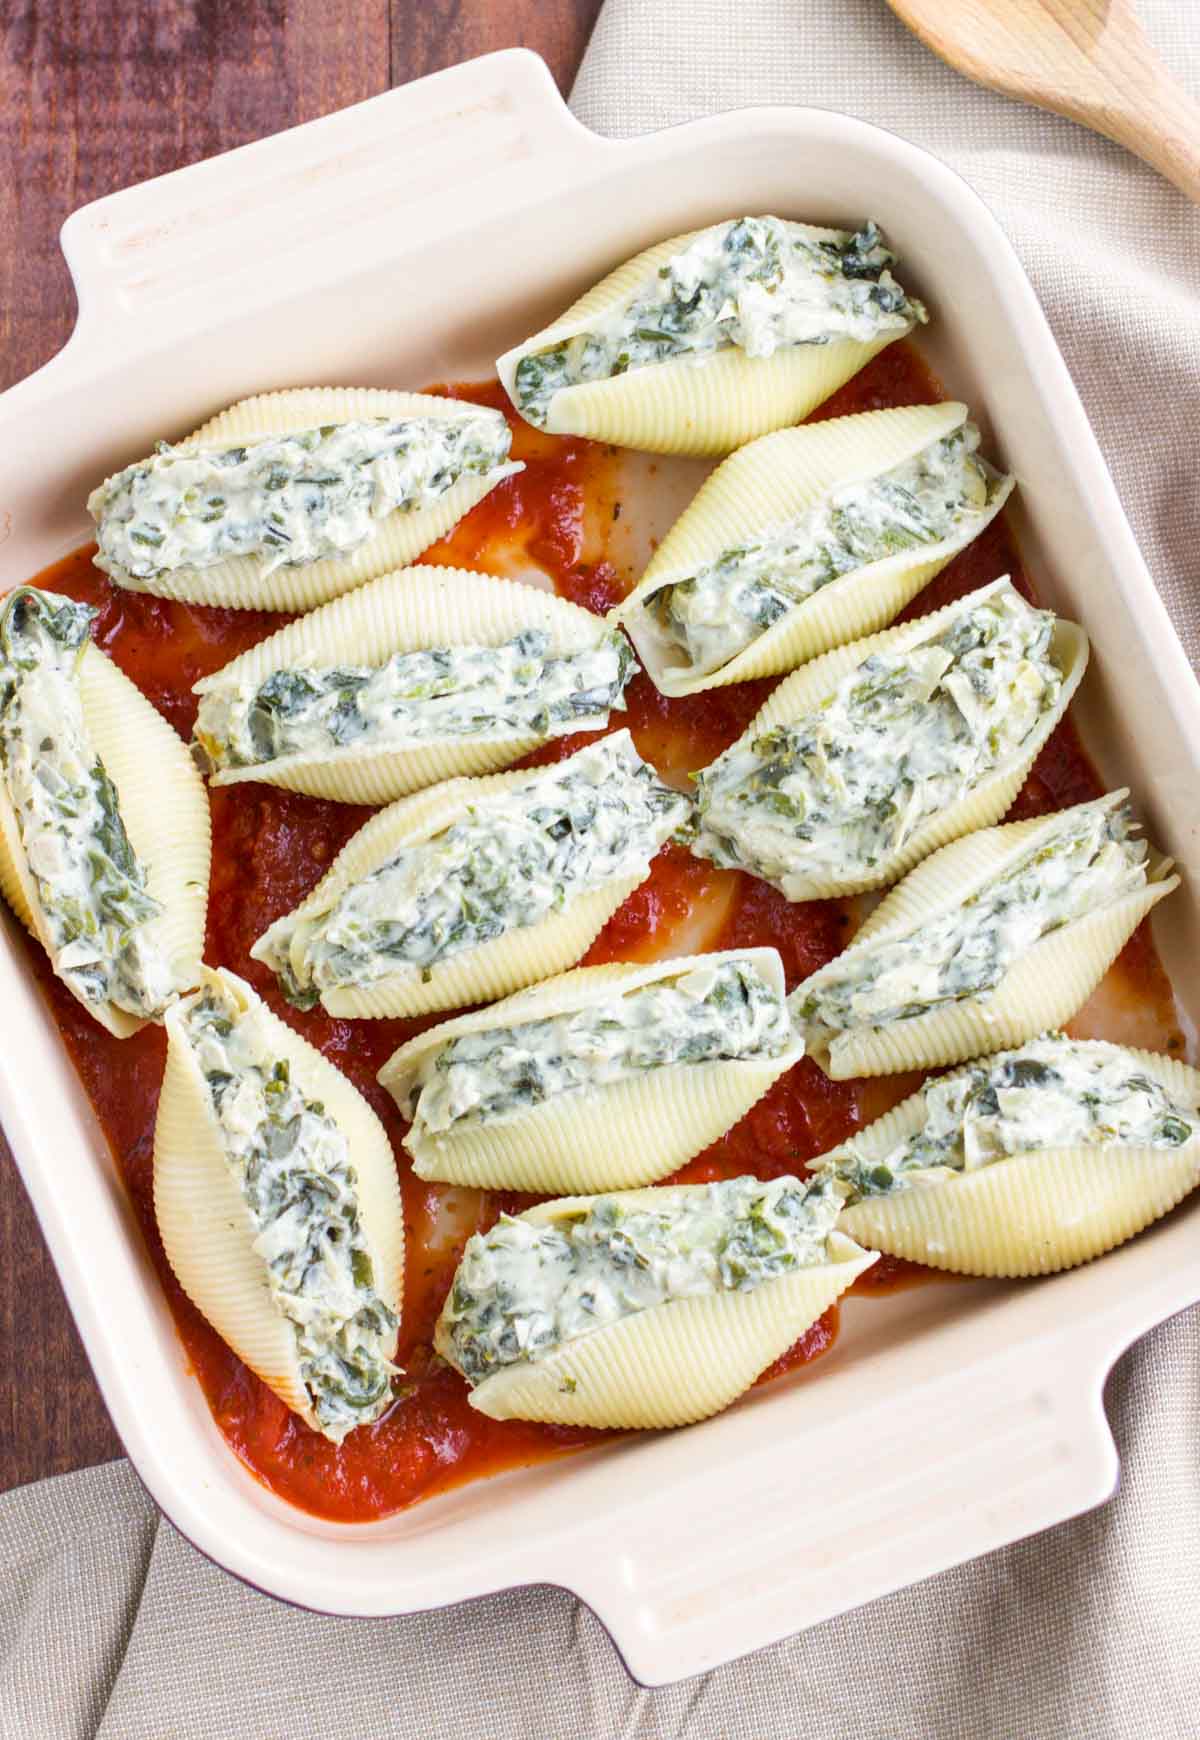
column 1086, row 59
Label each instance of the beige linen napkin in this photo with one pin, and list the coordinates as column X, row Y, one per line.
column 111, row 1625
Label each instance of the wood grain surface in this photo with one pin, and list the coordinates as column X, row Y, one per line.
column 95, row 95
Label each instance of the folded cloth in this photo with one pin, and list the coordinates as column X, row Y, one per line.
column 112, row 1626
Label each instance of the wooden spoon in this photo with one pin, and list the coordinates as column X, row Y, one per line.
column 1087, row 59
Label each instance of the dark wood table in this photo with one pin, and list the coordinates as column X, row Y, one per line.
column 94, row 95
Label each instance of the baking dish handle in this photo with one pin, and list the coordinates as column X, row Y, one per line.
column 171, row 253
column 1029, row 1432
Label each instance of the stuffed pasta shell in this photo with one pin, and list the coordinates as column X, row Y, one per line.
column 992, row 940
column 646, row 1308
column 476, row 887
column 809, row 538
column 1027, row 1162
column 414, row 677
column 602, row 1079
column 288, row 499
column 864, row 761
column 711, row 338
column 104, row 825
column 277, row 1198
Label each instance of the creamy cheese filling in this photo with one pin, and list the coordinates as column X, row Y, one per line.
column 903, row 736
column 709, row 1012
column 90, row 887
column 293, row 1167
column 288, row 499
column 1087, row 862
column 517, row 856
column 1052, row 1093
column 522, row 1291
column 518, row 688
column 714, row 614
column 760, row 284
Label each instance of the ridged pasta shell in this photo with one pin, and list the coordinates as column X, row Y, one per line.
column 671, row 1364
column 779, row 478
column 681, row 406
column 412, row 610
column 206, row 1228
column 614, row 1137
column 475, row 975
column 398, row 539
column 806, row 688
column 16, row 884
column 1038, row 993
column 165, row 810
column 1033, row 1213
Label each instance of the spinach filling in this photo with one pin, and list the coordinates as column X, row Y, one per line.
column 904, row 735
column 1053, row 1093
column 522, row 1291
column 716, row 613
column 708, row 1013
column 517, row 688
column 293, row 1167
column 1087, row 862
column 517, row 856
column 290, row 499
column 760, row 284
column 90, row 888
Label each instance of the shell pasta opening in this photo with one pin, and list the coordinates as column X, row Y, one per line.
column 291, row 498
column 809, row 538
column 419, row 676
column 1028, row 1162
column 104, row 825
column 867, row 759
column 476, row 887
column 989, row 942
column 602, row 1079
column 650, row 1308
column 277, row 1200
column 704, row 341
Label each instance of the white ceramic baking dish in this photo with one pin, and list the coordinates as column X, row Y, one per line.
column 410, row 239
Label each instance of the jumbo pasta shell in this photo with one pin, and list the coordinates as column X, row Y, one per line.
column 705, row 406
column 1039, row 992
column 612, row 1137
column 808, row 687
column 206, row 1228
column 776, row 479
column 165, row 811
column 671, row 1364
column 1033, row 1213
column 409, row 611
column 398, row 539
column 476, row 975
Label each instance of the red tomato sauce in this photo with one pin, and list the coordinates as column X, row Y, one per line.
column 270, row 847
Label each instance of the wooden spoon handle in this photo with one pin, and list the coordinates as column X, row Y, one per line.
column 1151, row 115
